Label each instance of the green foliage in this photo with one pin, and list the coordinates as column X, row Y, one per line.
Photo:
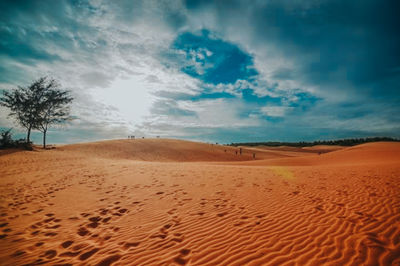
column 38, row 105
column 53, row 108
column 24, row 104
column 6, row 141
column 341, row 142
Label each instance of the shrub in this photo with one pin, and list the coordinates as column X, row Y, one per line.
column 6, row 140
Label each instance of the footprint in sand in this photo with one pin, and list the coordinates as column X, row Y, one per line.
column 88, row 254
column 109, row 260
column 67, row 243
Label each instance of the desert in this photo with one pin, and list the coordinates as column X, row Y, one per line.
column 175, row 202
column 192, row 132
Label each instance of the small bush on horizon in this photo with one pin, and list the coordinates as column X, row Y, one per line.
column 6, row 141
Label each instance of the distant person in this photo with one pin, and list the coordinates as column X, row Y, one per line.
column 240, row 151
column 236, row 152
column 254, row 156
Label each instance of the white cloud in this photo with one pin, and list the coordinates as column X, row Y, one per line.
column 112, row 59
column 275, row 111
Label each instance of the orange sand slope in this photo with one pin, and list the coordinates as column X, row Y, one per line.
column 370, row 153
column 164, row 150
column 172, row 150
column 171, row 202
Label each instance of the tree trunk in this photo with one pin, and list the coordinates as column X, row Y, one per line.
column 28, row 137
column 44, row 139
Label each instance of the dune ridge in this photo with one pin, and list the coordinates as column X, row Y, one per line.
column 165, row 150
column 375, row 153
column 104, row 204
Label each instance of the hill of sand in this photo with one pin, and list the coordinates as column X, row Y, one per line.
column 165, row 150
column 375, row 153
column 171, row 202
column 323, row 148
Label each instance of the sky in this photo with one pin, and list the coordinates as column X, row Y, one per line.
column 215, row 71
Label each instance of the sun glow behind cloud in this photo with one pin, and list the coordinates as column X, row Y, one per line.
column 131, row 96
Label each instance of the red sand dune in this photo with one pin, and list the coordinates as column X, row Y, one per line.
column 323, row 148
column 374, row 153
column 165, row 150
column 171, row 202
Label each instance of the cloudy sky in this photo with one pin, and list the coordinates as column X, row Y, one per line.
column 220, row 71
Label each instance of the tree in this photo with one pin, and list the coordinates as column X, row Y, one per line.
column 54, row 108
column 23, row 103
column 38, row 106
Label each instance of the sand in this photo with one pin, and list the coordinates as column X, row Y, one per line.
column 171, row 202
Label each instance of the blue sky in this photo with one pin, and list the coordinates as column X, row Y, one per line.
column 219, row 71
